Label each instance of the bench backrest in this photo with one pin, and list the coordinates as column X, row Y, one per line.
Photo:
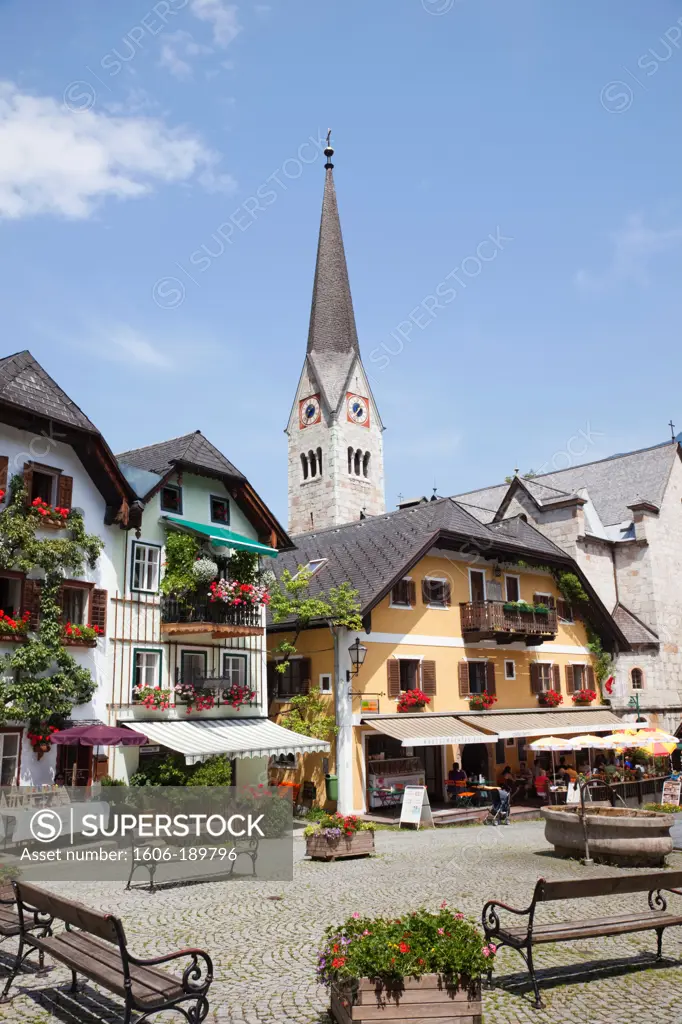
column 104, row 926
column 612, row 885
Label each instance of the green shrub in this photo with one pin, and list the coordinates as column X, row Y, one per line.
column 107, row 780
column 216, row 771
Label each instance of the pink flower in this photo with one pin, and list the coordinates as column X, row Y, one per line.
column 441, row 931
column 460, row 917
column 492, row 947
column 443, row 905
column 366, row 932
column 356, row 915
column 485, row 951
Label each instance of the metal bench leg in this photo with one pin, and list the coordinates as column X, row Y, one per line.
column 15, row 971
column 659, row 951
column 74, row 982
column 529, row 960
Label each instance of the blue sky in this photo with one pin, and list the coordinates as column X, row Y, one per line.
column 130, row 132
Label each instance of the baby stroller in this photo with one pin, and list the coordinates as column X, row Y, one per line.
column 499, row 812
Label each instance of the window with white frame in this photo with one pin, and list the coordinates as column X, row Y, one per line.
column 510, row 669
column 234, row 669
column 325, row 682
column 580, row 677
column 146, row 566
column 637, row 679
column 146, row 668
column 476, row 585
column 9, row 758
column 192, row 666
column 435, row 592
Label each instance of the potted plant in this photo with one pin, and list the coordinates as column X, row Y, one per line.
column 152, row 697
column 236, row 695
column 583, row 697
column 193, row 698
column 336, row 835
column 48, row 515
column 79, row 634
column 550, row 699
column 14, row 629
column 40, row 738
column 413, row 700
column 481, row 701
column 238, row 595
column 395, row 969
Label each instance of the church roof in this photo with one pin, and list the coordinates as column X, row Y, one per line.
column 190, row 450
column 633, row 627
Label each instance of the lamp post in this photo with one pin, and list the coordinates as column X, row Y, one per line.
column 634, row 703
column 358, row 654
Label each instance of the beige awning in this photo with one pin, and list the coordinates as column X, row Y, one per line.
column 428, row 730
column 544, row 723
column 236, row 737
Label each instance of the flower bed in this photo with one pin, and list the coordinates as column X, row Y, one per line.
column 421, row 964
column 81, row 634
column 13, row 628
column 235, row 594
column 584, row 696
column 337, row 836
column 481, row 701
column 550, row 699
column 413, row 700
column 152, row 697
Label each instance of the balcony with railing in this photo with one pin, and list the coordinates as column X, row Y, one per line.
column 214, row 617
column 499, row 621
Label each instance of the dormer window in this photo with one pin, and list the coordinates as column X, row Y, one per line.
column 220, row 510
column 48, row 484
column 171, row 499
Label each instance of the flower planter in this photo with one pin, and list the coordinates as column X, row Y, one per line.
column 411, row 708
column 360, row 844
column 430, row 997
column 583, row 703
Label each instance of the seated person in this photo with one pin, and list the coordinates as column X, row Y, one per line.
column 541, row 783
column 456, row 774
column 507, row 776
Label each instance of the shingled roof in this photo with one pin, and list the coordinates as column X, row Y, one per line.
column 190, row 450
column 25, row 384
column 613, row 484
column 633, row 627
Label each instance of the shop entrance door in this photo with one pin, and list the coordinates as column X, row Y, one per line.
column 432, row 760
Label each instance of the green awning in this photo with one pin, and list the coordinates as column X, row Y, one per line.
column 220, row 536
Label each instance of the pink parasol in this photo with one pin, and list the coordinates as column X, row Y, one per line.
column 99, row 736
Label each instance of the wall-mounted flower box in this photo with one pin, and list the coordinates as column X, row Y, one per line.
column 581, row 698
column 481, row 701
column 550, row 699
column 414, row 999
column 413, row 700
column 80, row 635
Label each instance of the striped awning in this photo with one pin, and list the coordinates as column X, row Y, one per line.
column 428, row 730
column 544, row 723
column 236, row 737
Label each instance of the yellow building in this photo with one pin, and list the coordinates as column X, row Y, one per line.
column 456, row 609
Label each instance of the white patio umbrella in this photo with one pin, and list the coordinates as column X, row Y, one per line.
column 591, row 743
column 551, row 743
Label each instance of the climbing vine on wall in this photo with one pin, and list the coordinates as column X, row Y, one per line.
column 40, row 681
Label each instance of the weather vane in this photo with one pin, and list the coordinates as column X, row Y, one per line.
column 672, row 430
column 329, row 152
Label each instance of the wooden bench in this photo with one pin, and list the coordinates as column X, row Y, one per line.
column 98, row 950
column 524, row 936
column 246, row 847
column 10, row 928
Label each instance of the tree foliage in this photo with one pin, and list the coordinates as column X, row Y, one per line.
column 309, row 715
column 40, row 681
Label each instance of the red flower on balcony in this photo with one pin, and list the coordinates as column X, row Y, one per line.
column 584, row 696
column 550, row 698
column 55, row 514
column 481, row 701
column 413, row 699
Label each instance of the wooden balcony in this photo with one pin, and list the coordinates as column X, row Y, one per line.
column 216, row 618
column 488, row 620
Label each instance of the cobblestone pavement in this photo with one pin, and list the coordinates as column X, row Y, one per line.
column 263, row 936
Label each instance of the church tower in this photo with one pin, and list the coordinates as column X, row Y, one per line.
column 336, row 461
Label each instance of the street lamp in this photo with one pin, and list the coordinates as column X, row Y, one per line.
column 634, row 703
column 357, row 655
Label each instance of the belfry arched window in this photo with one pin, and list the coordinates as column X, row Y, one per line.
column 312, row 460
column 319, row 461
column 304, row 465
column 350, row 460
column 365, row 464
column 356, row 462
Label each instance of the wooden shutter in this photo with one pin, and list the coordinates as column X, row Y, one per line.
column 393, row 668
column 464, row 687
column 411, row 593
column 99, row 600
column 570, row 679
column 28, row 482
column 556, row 678
column 590, row 678
column 65, row 491
column 426, row 591
column 447, row 592
column 490, row 678
column 304, row 675
column 31, row 599
column 429, row 678
column 273, row 680
column 535, row 679
column 4, row 464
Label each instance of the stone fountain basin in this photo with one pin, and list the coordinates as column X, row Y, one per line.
column 617, row 835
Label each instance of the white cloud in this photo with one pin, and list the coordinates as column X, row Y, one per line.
column 176, row 49
column 122, row 343
column 222, row 17
column 634, row 247
column 64, row 161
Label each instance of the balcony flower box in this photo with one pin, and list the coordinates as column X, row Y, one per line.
column 46, row 515
column 78, row 635
column 152, row 697
column 581, row 698
column 550, row 699
column 481, row 701
column 413, row 700
column 14, row 629
column 424, row 967
column 338, row 836
column 238, row 595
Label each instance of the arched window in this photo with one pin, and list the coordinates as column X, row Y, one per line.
column 319, row 461
column 350, row 460
column 304, row 465
column 365, row 464
column 637, row 679
column 356, row 462
column 312, row 459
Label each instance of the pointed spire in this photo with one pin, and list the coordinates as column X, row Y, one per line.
column 332, row 321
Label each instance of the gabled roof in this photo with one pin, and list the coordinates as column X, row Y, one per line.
column 25, row 384
column 190, row 450
column 613, row 484
column 371, row 554
column 633, row 627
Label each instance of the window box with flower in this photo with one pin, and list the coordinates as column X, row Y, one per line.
column 236, row 595
column 14, row 629
column 337, row 835
column 550, row 699
column 413, row 700
column 80, row 635
column 481, row 701
column 584, row 697
column 395, row 968
column 47, row 515
column 152, row 697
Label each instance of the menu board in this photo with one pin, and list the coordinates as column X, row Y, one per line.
column 416, row 809
column 671, row 791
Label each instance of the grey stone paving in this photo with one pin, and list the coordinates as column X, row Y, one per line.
column 263, row 948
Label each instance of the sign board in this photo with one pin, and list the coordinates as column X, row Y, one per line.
column 149, row 748
column 416, row 809
column 573, row 793
column 369, row 707
column 671, row 791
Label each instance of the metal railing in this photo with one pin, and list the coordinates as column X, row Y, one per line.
column 173, row 610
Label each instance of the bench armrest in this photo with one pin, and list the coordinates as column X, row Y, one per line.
column 196, row 977
column 491, row 919
column 657, row 900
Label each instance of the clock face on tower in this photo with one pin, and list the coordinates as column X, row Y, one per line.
column 358, row 409
column 309, row 411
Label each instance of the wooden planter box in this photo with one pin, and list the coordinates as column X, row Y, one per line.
column 426, row 1000
column 361, row 844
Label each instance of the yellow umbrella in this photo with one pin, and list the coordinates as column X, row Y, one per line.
column 655, row 736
